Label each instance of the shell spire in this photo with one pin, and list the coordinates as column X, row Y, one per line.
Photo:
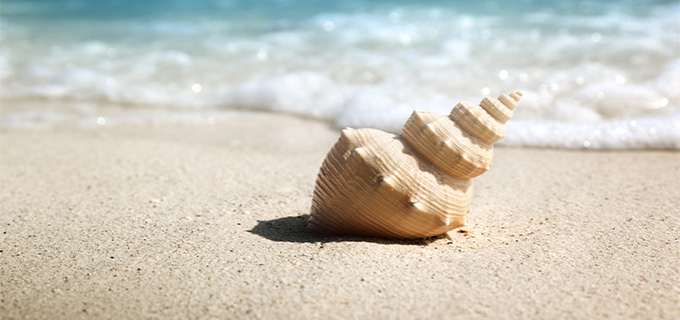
column 414, row 185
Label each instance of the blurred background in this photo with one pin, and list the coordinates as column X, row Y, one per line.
column 595, row 74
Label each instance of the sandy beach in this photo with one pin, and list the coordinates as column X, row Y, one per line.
column 207, row 221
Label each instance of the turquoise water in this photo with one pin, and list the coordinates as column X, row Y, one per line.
column 596, row 74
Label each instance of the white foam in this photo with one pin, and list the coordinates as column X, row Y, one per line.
column 302, row 93
column 581, row 74
column 642, row 133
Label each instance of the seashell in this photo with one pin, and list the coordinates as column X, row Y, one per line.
column 413, row 185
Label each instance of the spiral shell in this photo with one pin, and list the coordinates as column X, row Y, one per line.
column 414, row 185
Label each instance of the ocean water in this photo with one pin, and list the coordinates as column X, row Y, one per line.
column 595, row 74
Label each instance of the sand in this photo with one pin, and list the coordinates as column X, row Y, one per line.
column 207, row 221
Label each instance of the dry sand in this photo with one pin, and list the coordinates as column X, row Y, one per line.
column 208, row 222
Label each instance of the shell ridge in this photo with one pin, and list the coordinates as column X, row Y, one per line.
column 352, row 219
column 475, row 120
column 333, row 167
column 405, row 221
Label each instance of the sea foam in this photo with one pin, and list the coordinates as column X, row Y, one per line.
column 594, row 74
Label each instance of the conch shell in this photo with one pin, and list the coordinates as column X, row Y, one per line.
column 414, row 185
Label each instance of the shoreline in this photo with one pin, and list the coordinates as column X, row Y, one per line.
column 177, row 221
column 643, row 133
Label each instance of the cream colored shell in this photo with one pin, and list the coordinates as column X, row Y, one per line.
column 414, row 185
